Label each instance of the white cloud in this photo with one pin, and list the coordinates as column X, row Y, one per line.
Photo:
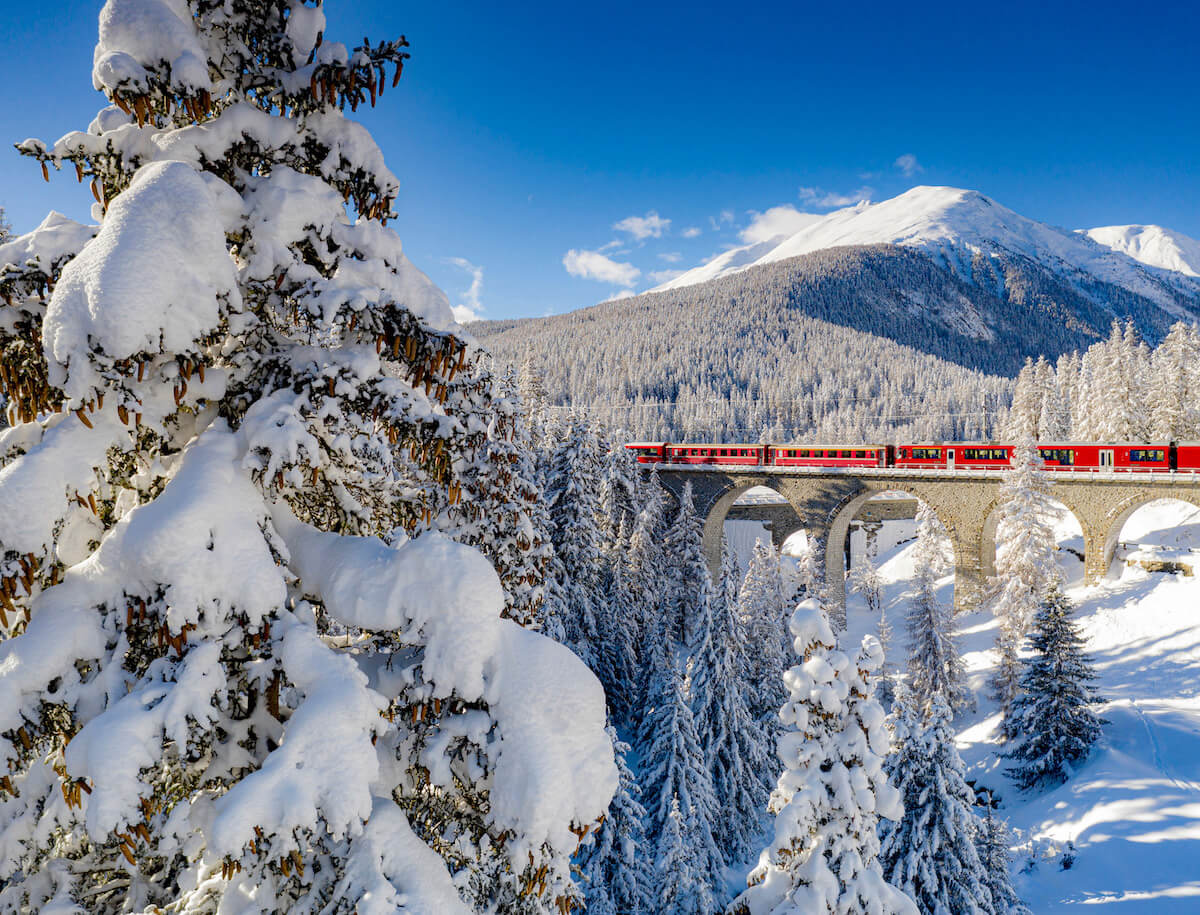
column 724, row 217
column 661, row 276
column 642, row 227
column 818, row 197
column 592, row 265
column 908, row 164
column 671, row 257
column 691, row 232
column 777, row 221
column 621, row 294
column 469, row 308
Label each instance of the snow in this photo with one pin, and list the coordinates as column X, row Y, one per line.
column 1152, row 245
column 555, row 763
column 952, row 224
column 1132, row 809
column 139, row 34
column 58, row 460
column 325, row 762
column 57, row 237
column 152, row 280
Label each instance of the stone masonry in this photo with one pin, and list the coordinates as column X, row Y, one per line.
column 825, row 502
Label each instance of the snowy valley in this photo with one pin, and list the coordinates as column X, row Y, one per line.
column 1132, row 811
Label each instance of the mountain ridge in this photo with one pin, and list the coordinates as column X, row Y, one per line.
column 954, row 225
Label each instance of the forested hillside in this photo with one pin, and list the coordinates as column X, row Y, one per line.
column 859, row 342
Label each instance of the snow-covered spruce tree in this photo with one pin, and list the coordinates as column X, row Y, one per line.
column 620, row 499
column 1025, row 565
column 1025, row 413
column 532, row 388
column 574, row 507
column 733, row 742
column 614, row 866
column 823, row 858
column 687, row 584
column 992, row 840
column 219, row 690
column 501, row 511
column 1051, row 720
column 934, row 664
column 682, row 882
column 763, row 616
column 930, row 852
column 672, row 766
column 619, row 621
column 1172, row 398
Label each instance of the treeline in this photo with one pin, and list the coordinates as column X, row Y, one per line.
column 857, row 343
column 1118, row 390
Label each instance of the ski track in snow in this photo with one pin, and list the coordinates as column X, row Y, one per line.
column 1132, row 809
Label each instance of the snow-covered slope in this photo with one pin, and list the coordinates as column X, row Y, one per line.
column 1151, row 245
column 1132, row 810
column 954, row 226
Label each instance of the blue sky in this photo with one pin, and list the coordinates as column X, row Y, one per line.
column 643, row 137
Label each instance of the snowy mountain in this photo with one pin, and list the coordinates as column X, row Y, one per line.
column 958, row 227
column 1151, row 245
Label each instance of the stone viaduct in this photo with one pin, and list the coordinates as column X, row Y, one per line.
column 825, row 502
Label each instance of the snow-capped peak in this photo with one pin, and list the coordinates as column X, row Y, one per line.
column 1152, row 245
column 954, row 224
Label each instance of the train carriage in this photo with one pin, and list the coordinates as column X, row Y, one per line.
column 741, row 454
column 829, row 456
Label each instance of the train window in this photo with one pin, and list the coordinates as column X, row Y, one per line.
column 860, row 454
column 792, row 452
column 1064, row 457
column 927, row 454
column 985, row 454
column 1147, row 455
column 804, row 452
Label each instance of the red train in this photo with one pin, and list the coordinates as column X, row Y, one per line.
column 1163, row 457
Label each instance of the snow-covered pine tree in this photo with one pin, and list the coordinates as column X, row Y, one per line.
column 502, row 512
column 865, row 579
column 992, row 841
column 823, row 858
column 615, row 867
column 1173, row 402
column 619, row 618
column 732, row 741
column 683, row 885
column 1025, row 413
column 929, row 853
column 1025, row 565
column 1051, row 720
column 687, row 584
column 219, row 690
column 934, row 664
column 532, row 388
column 574, row 507
column 620, row 498
column 673, row 769
column 761, row 613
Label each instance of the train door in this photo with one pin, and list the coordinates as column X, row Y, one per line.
column 1106, row 458
column 949, row 458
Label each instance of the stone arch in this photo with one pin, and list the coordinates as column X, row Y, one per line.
column 991, row 520
column 719, row 506
column 1109, row 537
column 843, row 515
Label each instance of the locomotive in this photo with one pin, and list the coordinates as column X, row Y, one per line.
column 1161, row 457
